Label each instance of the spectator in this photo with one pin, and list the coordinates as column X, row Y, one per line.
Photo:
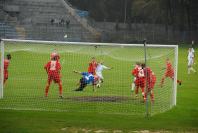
column 117, row 25
column 67, row 23
column 52, row 21
column 56, row 21
column 62, row 21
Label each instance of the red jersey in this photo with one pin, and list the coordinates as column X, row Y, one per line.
column 140, row 77
column 53, row 70
column 92, row 67
column 53, row 67
column 149, row 77
column 169, row 70
column 6, row 64
column 134, row 72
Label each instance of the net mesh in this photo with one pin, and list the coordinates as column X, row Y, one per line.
column 25, row 87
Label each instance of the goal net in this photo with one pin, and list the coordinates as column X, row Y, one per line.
column 25, row 88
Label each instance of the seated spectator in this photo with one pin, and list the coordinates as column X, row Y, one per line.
column 62, row 21
column 67, row 23
column 52, row 21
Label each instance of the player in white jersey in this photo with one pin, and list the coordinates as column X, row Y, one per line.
column 100, row 67
column 193, row 51
column 190, row 61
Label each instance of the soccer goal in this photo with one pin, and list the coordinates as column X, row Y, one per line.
column 24, row 77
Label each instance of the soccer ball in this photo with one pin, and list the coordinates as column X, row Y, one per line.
column 65, row 36
column 98, row 85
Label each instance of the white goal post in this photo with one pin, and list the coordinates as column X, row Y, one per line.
column 2, row 69
column 152, row 49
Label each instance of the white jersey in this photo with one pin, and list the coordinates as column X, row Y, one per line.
column 190, row 55
column 192, row 49
column 99, row 70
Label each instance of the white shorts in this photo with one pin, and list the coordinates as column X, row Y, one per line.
column 190, row 62
column 99, row 75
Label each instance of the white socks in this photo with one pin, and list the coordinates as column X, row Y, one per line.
column 132, row 87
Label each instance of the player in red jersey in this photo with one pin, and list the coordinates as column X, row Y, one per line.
column 140, row 80
column 6, row 64
column 53, row 68
column 92, row 66
column 169, row 73
column 54, row 54
column 150, row 80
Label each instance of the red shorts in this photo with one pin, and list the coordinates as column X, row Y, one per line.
column 151, row 85
column 54, row 77
column 140, row 82
column 169, row 74
column 5, row 75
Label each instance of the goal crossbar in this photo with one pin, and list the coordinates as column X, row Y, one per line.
column 89, row 43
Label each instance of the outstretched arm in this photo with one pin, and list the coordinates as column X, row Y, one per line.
column 78, row 72
column 163, row 68
column 108, row 68
column 46, row 68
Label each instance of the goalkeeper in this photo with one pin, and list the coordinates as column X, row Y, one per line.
column 87, row 78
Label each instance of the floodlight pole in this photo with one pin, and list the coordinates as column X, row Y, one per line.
column 146, row 88
column 2, row 69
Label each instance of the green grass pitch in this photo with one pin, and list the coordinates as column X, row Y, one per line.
column 27, row 78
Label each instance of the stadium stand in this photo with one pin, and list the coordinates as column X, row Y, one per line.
column 7, row 31
column 49, row 20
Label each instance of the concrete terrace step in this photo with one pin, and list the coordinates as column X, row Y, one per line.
column 35, row 17
column 33, row 3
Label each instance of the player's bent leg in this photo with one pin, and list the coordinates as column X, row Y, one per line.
column 192, row 69
column 143, row 93
column 189, row 69
column 82, row 85
column 5, row 77
column 57, row 80
column 60, row 89
column 47, row 87
column 132, row 86
column 142, row 89
column 136, row 91
column 190, row 66
column 49, row 81
column 98, row 84
column 152, row 96
column 162, row 81
column 179, row 82
column 4, row 81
